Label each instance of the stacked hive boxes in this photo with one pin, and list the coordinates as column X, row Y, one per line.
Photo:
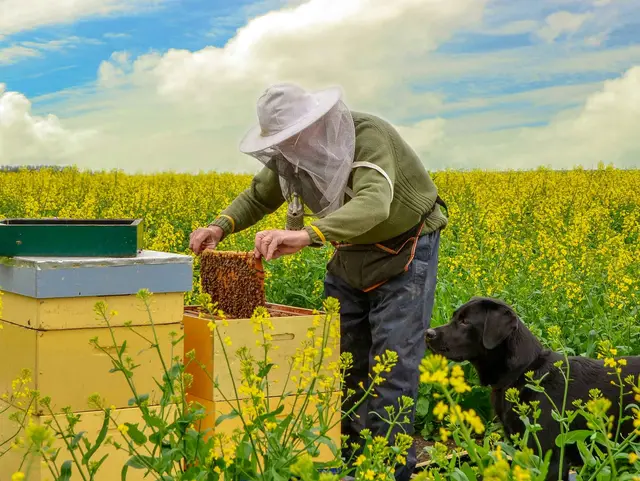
column 48, row 320
column 290, row 326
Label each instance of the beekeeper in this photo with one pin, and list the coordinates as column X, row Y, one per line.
column 371, row 197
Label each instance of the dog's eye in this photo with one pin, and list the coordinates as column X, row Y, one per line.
column 463, row 322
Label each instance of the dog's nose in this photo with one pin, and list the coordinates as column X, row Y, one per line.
column 431, row 334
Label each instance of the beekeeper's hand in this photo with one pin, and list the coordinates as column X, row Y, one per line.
column 205, row 238
column 271, row 244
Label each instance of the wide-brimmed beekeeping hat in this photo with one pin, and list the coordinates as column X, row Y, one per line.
column 285, row 110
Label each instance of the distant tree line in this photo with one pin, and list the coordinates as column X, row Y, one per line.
column 20, row 168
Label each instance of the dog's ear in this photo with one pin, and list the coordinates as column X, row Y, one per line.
column 500, row 322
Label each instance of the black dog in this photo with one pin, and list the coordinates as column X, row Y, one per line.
column 488, row 333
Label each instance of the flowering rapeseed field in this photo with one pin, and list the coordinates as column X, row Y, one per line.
column 562, row 247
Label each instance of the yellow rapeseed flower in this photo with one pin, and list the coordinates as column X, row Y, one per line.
column 440, row 410
column 359, row 460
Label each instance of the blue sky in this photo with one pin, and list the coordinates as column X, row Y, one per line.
column 470, row 83
column 185, row 24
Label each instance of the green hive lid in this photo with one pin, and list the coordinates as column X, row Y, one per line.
column 53, row 237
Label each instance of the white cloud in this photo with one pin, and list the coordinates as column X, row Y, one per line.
column 26, row 138
column 605, row 128
column 563, row 22
column 19, row 15
column 424, row 135
column 15, row 53
column 515, row 27
column 188, row 110
column 113, row 35
column 30, row 49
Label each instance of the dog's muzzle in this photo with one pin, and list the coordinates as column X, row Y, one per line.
column 431, row 334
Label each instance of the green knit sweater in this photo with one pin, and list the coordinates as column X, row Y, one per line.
column 373, row 214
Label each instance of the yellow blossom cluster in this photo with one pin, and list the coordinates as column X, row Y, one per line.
column 379, row 460
column 434, row 369
column 571, row 237
column 225, row 448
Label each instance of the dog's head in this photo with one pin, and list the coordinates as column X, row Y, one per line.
column 477, row 327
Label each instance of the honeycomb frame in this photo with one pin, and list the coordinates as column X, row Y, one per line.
column 234, row 280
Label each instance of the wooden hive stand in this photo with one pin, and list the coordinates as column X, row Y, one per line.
column 48, row 320
column 230, row 277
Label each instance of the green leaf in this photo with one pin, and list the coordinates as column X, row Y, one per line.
column 604, row 475
column 123, row 473
column 122, row 349
column 471, row 475
column 265, row 371
column 65, row 471
column 94, row 469
column 135, row 434
column 139, row 462
column 142, row 398
column 572, row 437
column 329, row 442
column 155, row 421
column 224, row 417
column 535, row 388
column 556, row 416
column 99, row 440
column 423, row 407
column 586, row 455
column 76, row 439
column 458, row 475
column 599, row 438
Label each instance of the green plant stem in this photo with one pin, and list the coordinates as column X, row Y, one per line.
column 235, row 390
column 325, row 328
column 471, row 446
column 132, row 449
column 53, row 469
column 620, row 449
column 12, row 437
column 67, row 445
column 620, row 406
column 562, row 415
column 156, row 344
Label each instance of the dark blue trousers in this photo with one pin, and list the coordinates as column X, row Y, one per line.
column 394, row 316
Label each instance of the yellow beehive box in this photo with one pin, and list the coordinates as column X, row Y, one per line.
column 68, row 368
column 227, row 426
column 91, row 424
column 78, row 312
column 290, row 330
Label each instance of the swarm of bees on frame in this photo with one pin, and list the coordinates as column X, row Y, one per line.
column 234, row 280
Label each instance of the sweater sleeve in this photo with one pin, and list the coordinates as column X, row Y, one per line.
column 263, row 197
column 372, row 198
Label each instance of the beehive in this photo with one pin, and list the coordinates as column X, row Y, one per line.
column 91, row 424
column 48, row 321
column 235, row 282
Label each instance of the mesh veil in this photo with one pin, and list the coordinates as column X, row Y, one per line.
column 316, row 163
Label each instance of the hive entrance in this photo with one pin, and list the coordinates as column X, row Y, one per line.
column 234, row 280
